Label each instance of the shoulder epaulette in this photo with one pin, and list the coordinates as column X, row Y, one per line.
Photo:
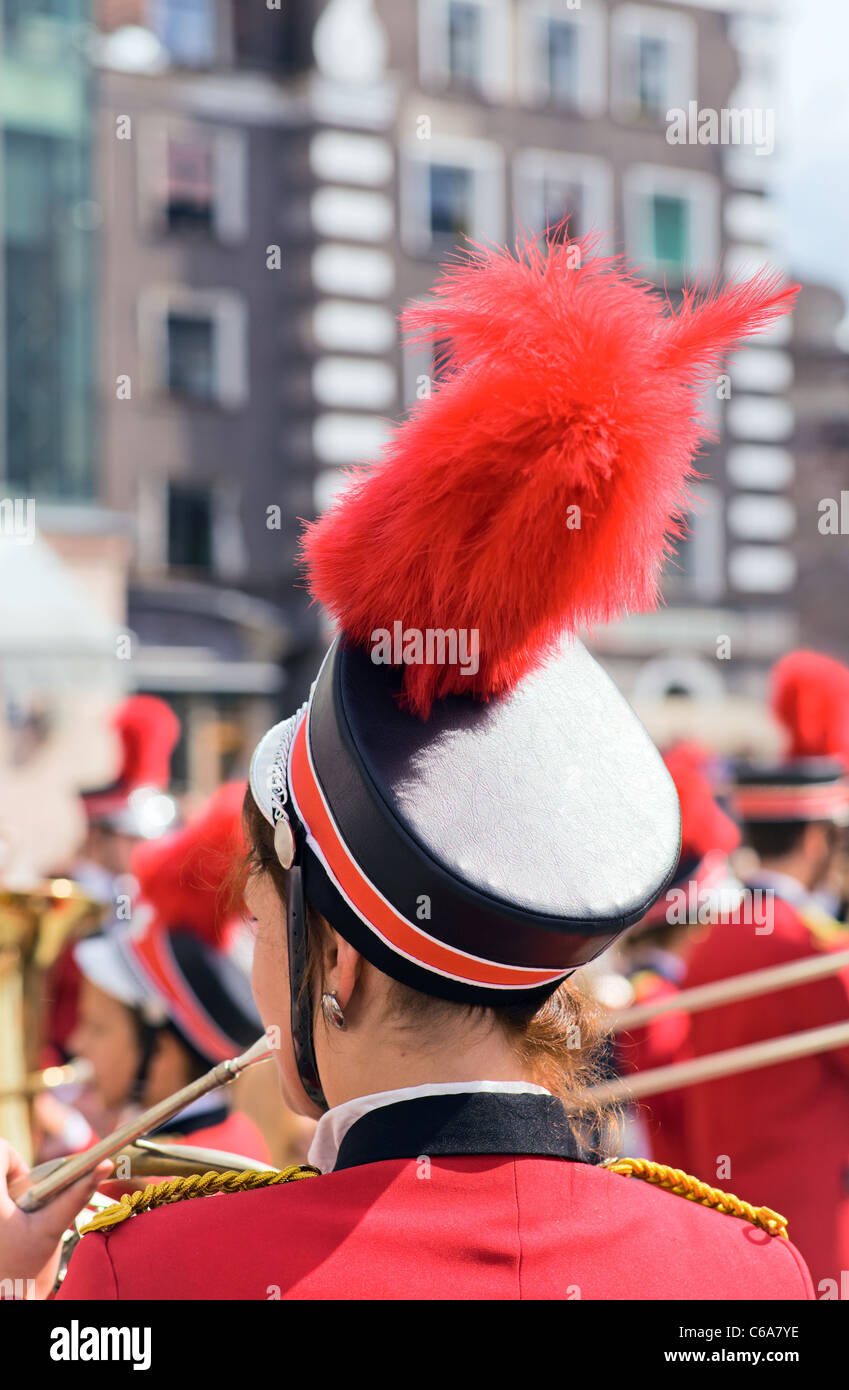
column 683, row 1185
column 161, row 1194
column 826, row 930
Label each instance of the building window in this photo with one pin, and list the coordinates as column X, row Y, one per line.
column 465, row 44
column 653, row 62
column 192, row 177
column 451, row 203
column 49, row 298
column 695, row 571
column 193, row 345
column 190, row 196
column 551, row 187
column 188, row 29
column 671, row 221
column 189, row 527
column 561, row 56
column 191, row 357
column 454, row 191
column 561, row 49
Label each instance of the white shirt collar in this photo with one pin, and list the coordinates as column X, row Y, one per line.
column 787, row 887
column 334, row 1124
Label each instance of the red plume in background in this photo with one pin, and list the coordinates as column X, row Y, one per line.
column 539, row 488
column 810, row 699
column 704, row 825
column 187, row 877
column 148, row 730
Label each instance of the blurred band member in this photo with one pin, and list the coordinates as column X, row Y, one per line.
column 132, row 809
column 167, row 996
column 784, row 1130
column 135, row 806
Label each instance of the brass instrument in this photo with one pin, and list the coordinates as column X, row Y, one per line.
column 749, row 1057
column 35, row 925
column 77, row 1072
column 136, row 1156
column 49, row 1179
column 753, row 983
column 787, row 1047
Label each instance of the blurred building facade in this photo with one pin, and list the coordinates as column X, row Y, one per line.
column 265, row 184
column 820, row 487
column 194, row 116
column 62, row 592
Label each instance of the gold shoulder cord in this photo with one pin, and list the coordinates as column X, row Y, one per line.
column 683, row 1185
column 160, row 1194
column 208, row 1184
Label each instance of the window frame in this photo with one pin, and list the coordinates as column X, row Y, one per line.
column 496, row 59
column 227, row 311
column 228, row 553
column 631, row 22
column 229, row 147
column 533, row 79
column 592, row 172
column 701, row 190
column 483, row 158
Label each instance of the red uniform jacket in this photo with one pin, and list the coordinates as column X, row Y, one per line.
column 436, row 1226
column 785, row 1129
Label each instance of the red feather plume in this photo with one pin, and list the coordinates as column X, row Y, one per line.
column 704, row 825
column 186, row 877
column 810, row 698
column 539, row 488
column 148, row 730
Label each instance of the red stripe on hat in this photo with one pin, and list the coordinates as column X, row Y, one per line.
column 151, row 951
column 792, row 803
column 374, row 910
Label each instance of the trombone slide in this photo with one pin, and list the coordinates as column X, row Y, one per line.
column 716, row 1064
column 36, row 1190
column 754, row 982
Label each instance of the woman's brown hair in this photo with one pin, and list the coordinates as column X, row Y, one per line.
column 562, row 1042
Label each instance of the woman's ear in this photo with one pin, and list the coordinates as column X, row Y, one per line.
column 342, row 966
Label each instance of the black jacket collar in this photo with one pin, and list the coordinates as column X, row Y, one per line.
column 190, row 1124
column 480, row 1122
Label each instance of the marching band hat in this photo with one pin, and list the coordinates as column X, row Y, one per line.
column 466, row 797
column 801, row 789
column 135, row 803
column 809, row 697
column 180, row 960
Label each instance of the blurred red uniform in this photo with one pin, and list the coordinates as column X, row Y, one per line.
column 785, row 1129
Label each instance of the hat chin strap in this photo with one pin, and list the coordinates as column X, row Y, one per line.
column 301, row 1000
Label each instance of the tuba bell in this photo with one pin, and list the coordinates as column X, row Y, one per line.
column 35, row 925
